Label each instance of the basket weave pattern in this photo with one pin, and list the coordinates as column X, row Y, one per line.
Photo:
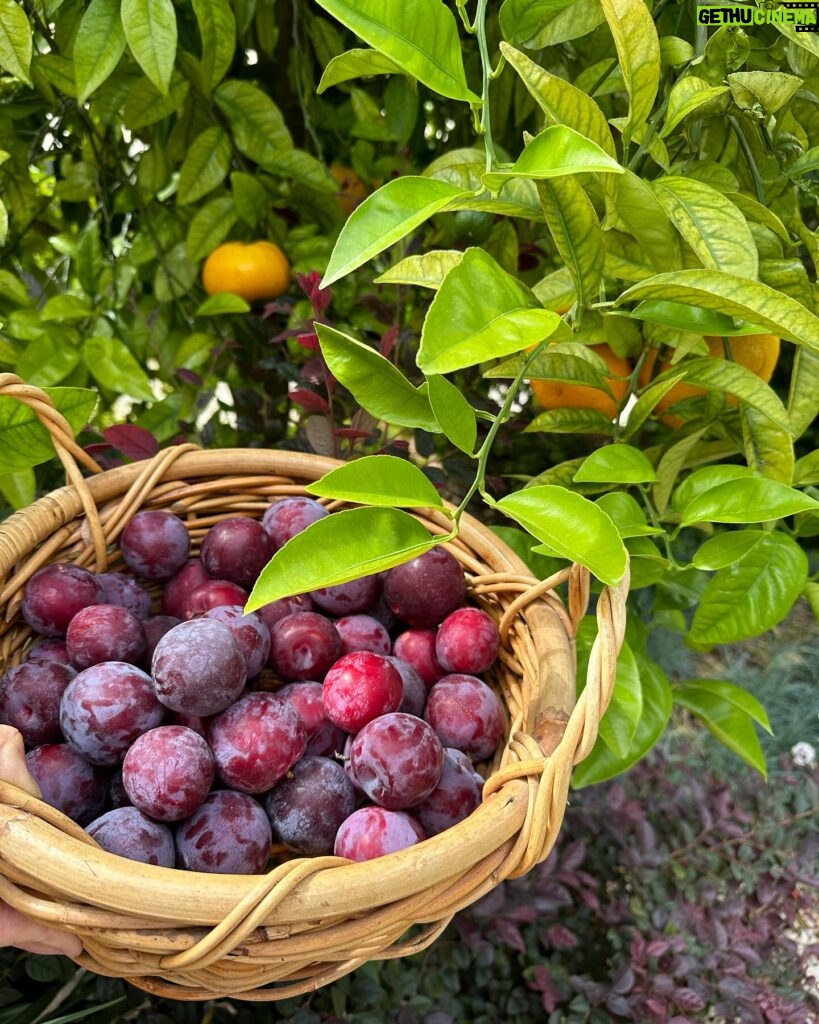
column 189, row 935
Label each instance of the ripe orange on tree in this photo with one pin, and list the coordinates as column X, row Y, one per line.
column 756, row 352
column 253, row 270
column 553, row 394
column 352, row 190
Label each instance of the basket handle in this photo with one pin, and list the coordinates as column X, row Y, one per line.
column 67, row 449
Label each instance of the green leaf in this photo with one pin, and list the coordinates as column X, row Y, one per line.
column 217, row 32
column 421, row 38
column 454, row 414
column 386, row 216
column 47, row 361
column 224, row 302
column 747, row 500
column 632, row 205
column 626, row 515
column 638, row 52
column 571, row 526
column 565, row 361
column 341, row 547
column 98, row 46
column 728, row 712
column 726, row 548
column 806, row 470
column 570, row 421
column 689, row 318
column 705, row 479
column 66, row 308
column 256, row 123
column 768, row 445
column 249, row 197
column 20, row 488
column 151, row 32
column 425, row 271
column 146, row 105
column 553, row 153
column 561, row 102
column 209, row 227
column 24, row 441
column 112, row 365
column 16, row 44
column 807, row 163
column 580, row 19
column 378, row 480
column 374, row 382
column 752, row 595
column 572, row 220
column 523, row 544
column 688, row 95
column 735, row 296
column 619, row 724
column 672, row 461
column 205, row 166
column 356, row 64
column 480, row 312
column 714, row 228
column 803, row 394
column 602, row 764
column 616, row 463
column 521, row 19
column 753, row 210
column 767, row 91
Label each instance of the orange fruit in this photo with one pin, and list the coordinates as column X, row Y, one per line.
column 253, row 270
column 756, row 352
column 352, row 189
column 553, row 394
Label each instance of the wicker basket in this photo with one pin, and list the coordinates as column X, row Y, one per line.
column 188, row 935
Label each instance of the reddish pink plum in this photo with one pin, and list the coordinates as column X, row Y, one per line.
column 256, row 741
column 155, row 544
column 360, row 687
column 347, row 598
column 67, row 781
column 466, row 714
column 375, row 831
column 155, row 628
column 308, row 805
column 229, row 834
column 126, row 832
column 417, row 648
column 30, row 696
column 105, row 632
column 397, row 760
column 303, row 646
column 249, row 631
column 415, row 691
column 55, row 594
column 289, row 516
column 363, row 633
column 423, row 591
column 277, row 610
column 168, row 772
column 236, row 549
column 198, row 667
column 179, row 587
column 468, row 641
column 52, row 649
column 213, row 594
column 105, row 707
column 124, row 590
column 323, row 738
column 454, row 798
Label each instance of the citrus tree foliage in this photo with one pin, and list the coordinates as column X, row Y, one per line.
column 543, row 177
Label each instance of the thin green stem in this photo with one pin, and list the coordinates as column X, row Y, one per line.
column 759, row 184
column 487, row 73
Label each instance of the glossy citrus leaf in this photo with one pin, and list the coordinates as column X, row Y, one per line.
column 726, row 548
column 378, row 480
column 98, row 46
column 151, row 31
column 256, row 123
column 454, row 414
column 356, row 63
column 626, row 514
column 16, row 45
column 224, row 302
column 638, row 53
column 687, row 96
column 632, row 206
column 616, row 463
column 728, row 712
column 748, row 499
column 425, row 271
column 24, row 441
column 578, row 237
column 112, row 365
column 217, row 32
column 205, row 166
column 553, row 153
column 704, row 479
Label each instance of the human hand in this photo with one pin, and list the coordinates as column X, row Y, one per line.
column 16, row 929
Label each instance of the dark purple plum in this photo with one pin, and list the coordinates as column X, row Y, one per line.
column 30, row 696
column 105, row 632
column 229, row 834
column 276, row 610
column 308, row 805
column 303, row 646
column 249, row 631
column 323, row 738
column 180, row 586
column 155, row 628
column 167, row 772
column 359, row 687
column 256, row 741
column 466, row 714
column 423, row 591
column 363, row 633
column 155, row 544
column 454, row 798
column 347, row 598
column 50, row 649
column 126, row 832
column 105, row 707
column 467, row 641
column 289, row 516
column 124, row 590
column 198, row 667
column 373, row 832
column 236, row 549
column 67, row 781
column 397, row 760
column 415, row 691
column 213, row 594
column 55, row 594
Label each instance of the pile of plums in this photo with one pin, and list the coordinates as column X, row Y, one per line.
column 180, row 730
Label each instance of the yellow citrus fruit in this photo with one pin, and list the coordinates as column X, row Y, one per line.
column 553, row 394
column 352, row 189
column 756, row 352
column 253, row 270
